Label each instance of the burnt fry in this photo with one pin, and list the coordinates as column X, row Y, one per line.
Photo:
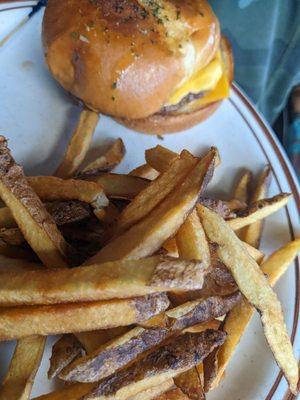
column 78, row 145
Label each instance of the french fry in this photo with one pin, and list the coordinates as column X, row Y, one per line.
column 18, row 322
column 108, row 161
column 51, row 188
column 64, row 351
column 242, row 189
column 145, row 171
column 252, row 233
column 153, row 369
column 92, row 340
column 36, row 224
column 150, row 197
column 147, row 236
column 170, row 246
column 113, row 355
column 255, row 288
column 155, row 391
column 119, row 279
column 174, row 394
column 118, row 186
column 238, row 318
column 190, row 384
column 160, row 158
column 219, row 206
column 78, row 145
column 210, row 369
column 27, row 356
column 258, row 211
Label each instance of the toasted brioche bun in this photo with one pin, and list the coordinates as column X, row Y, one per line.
column 176, row 122
column 125, row 60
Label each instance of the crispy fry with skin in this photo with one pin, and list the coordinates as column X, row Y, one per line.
column 23, row 367
column 145, row 171
column 118, row 186
column 252, row 234
column 64, row 351
column 18, row 322
column 255, row 288
column 164, row 363
column 148, row 235
column 92, row 340
column 238, row 318
column 258, row 211
column 108, row 161
column 78, row 145
column 119, row 279
column 36, row 224
column 51, row 188
column 242, row 189
column 160, row 158
column 190, row 384
column 149, row 198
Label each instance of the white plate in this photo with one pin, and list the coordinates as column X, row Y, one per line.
column 37, row 117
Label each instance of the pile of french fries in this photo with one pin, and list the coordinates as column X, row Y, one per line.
column 150, row 283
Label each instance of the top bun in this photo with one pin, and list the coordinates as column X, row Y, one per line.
column 124, row 57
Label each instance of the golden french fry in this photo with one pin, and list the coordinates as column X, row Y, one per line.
column 190, row 384
column 150, row 197
column 148, row 235
column 145, row 171
column 19, row 379
column 258, row 211
column 108, row 161
column 118, row 279
column 78, row 145
column 51, row 188
column 242, row 189
column 171, row 247
column 254, row 286
column 18, row 322
column 160, row 158
column 252, row 234
column 64, row 351
column 118, row 186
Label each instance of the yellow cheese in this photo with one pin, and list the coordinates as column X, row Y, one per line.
column 204, row 80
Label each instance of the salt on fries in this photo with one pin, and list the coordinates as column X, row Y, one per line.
column 132, row 307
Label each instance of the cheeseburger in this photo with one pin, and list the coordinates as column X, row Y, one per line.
column 156, row 66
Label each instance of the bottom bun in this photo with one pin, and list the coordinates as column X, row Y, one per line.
column 157, row 124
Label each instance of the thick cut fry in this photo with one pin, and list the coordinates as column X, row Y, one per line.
column 147, row 236
column 155, row 391
column 167, row 362
column 258, row 211
column 51, row 188
column 19, row 322
column 174, row 394
column 160, row 158
column 242, row 189
column 23, row 367
column 108, row 161
column 190, row 384
column 238, row 318
column 253, row 232
column 150, row 197
column 64, row 351
column 119, row 279
column 118, row 186
column 114, row 355
column 191, row 241
column 36, row 224
column 256, row 290
column 79, row 144
column 92, row 340
column 144, row 171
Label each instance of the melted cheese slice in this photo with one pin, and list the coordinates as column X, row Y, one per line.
column 211, row 79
